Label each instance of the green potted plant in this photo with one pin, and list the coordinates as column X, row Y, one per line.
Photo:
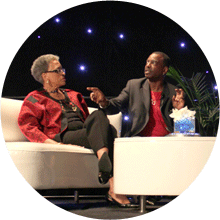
column 203, row 99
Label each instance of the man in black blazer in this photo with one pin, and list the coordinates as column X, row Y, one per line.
column 148, row 101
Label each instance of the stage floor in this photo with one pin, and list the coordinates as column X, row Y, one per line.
column 99, row 208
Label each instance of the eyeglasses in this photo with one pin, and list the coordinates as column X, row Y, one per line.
column 58, row 71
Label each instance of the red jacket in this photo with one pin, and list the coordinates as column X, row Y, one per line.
column 40, row 116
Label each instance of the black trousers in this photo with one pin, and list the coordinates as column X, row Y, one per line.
column 95, row 134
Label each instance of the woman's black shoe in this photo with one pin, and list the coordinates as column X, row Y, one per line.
column 112, row 201
column 105, row 168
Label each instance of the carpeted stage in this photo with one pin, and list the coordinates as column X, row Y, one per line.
column 98, row 208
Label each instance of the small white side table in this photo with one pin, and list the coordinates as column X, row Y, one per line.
column 158, row 165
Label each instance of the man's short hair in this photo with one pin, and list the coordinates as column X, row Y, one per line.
column 166, row 59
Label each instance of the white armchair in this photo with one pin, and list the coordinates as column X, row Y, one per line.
column 48, row 166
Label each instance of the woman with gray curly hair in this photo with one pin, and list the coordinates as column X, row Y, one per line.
column 40, row 65
column 54, row 115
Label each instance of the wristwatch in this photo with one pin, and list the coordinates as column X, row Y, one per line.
column 108, row 103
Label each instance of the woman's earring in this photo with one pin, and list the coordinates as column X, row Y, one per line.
column 47, row 81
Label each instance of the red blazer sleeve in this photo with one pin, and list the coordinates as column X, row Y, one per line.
column 29, row 120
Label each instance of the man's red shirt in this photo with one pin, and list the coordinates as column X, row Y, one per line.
column 156, row 126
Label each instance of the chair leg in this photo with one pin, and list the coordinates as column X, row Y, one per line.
column 142, row 204
column 135, row 198
column 76, row 196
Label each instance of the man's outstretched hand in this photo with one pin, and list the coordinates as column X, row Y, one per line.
column 98, row 96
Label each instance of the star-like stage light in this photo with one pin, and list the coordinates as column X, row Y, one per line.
column 89, row 30
column 182, row 44
column 126, row 117
column 82, row 68
column 121, row 36
column 57, row 20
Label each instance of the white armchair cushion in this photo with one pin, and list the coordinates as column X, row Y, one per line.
column 49, row 166
column 10, row 109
